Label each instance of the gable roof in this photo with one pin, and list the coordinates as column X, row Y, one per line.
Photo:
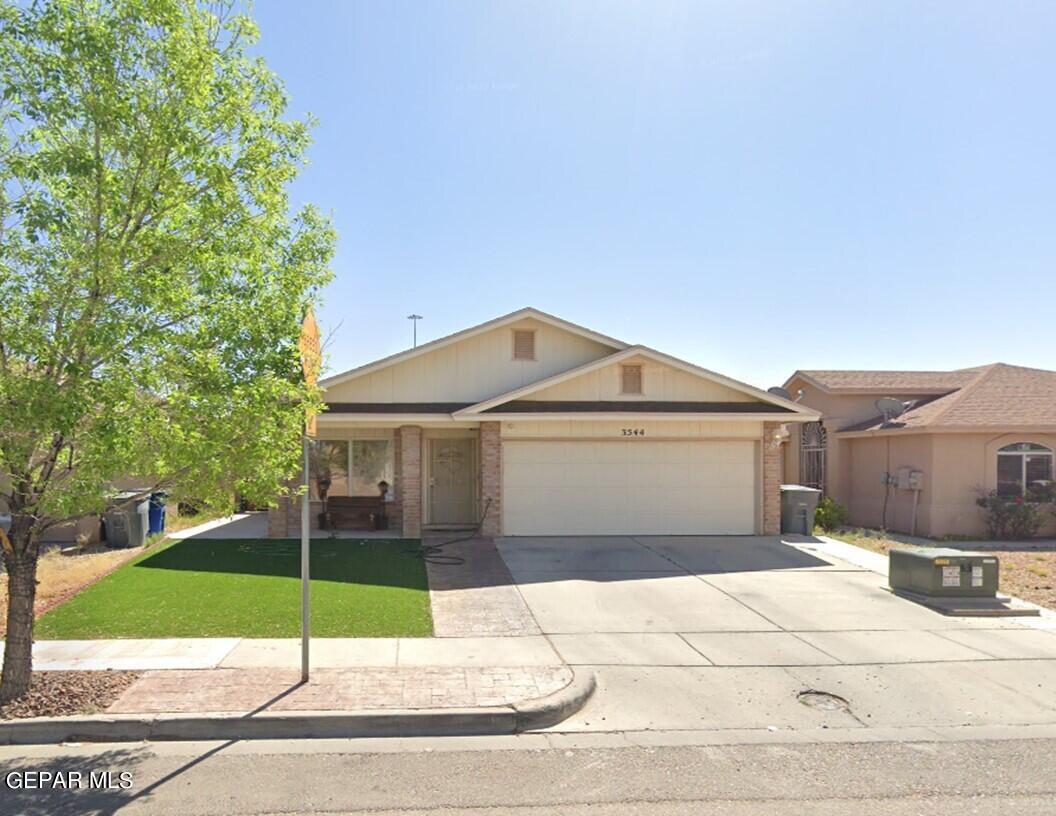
column 764, row 397
column 996, row 396
column 497, row 323
column 886, row 382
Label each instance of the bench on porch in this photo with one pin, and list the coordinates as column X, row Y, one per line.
column 355, row 512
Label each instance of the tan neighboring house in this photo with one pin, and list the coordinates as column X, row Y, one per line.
column 542, row 427
column 959, row 432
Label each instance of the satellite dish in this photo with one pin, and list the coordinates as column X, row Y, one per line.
column 778, row 391
column 890, row 408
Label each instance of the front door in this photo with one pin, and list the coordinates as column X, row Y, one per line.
column 452, row 482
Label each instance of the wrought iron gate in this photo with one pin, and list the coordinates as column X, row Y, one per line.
column 812, row 444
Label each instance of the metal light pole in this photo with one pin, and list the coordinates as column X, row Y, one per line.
column 415, row 318
column 306, row 522
column 311, row 361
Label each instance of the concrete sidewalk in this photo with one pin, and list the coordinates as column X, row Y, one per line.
column 243, row 674
column 330, row 653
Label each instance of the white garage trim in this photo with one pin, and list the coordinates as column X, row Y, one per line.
column 633, row 486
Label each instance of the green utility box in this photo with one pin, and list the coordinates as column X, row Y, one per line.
column 939, row 571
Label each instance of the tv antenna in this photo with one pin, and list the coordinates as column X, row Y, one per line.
column 415, row 318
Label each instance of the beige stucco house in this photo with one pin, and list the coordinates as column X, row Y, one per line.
column 959, row 432
column 542, row 427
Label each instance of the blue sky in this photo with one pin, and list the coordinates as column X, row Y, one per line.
column 754, row 187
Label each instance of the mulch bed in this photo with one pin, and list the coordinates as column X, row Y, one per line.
column 65, row 693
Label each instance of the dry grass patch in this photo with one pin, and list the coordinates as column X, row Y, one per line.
column 61, row 576
column 1028, row 573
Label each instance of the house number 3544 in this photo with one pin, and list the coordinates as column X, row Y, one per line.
column 632, row 432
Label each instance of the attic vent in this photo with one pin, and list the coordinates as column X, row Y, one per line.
column 631, row 379
column 523, row 344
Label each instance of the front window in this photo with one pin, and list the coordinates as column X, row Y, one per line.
column 1024, row 469
column 371, row 463
column 343, row 467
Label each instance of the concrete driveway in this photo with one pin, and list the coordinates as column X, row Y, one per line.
column 727, row 632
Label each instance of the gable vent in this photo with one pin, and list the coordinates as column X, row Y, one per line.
column 523, row 344
column 631, row 379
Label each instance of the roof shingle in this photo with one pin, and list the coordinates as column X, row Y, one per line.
column 996, row 395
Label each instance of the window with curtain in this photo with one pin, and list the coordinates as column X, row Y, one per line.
column 1024, row 469
column 371, row 463
column 343, row 467
column 328, row 468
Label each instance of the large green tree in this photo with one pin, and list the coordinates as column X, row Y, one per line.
column 152, row 276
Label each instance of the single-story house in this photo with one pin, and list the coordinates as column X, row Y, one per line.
column 531, row 425
column 947, row 437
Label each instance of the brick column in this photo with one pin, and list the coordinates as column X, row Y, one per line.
column 279, row 518
column 771, row 452
column 409, row 483
column 491, row 477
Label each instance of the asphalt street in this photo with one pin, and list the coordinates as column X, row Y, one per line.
column 500, row 775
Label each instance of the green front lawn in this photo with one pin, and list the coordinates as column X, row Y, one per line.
column 252, row 588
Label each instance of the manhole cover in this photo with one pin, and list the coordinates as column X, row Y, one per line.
column 825, row 700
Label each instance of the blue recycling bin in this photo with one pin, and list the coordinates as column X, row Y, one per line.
column 156, row 513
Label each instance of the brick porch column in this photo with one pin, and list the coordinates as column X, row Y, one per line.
column 279, row 518
column 409, row 482
column 771, row 479
column 491, row 478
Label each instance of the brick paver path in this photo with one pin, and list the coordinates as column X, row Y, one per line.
column 478, row 597
column 253, row 690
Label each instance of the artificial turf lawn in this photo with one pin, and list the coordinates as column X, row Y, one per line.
column 252, row 588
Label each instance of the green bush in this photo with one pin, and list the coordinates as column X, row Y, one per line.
column 1010, row 517
column 830, row 515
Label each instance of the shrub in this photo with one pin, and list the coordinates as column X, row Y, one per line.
column 1010, row 517
column 830, row 514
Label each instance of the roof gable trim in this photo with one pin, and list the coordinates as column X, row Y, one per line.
column 465, row 334
column 634, row 351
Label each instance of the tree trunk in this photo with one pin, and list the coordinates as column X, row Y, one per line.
column 21, row 565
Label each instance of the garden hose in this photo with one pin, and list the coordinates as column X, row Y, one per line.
column 434, row 553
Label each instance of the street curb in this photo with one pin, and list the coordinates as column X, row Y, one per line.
column 437, row 722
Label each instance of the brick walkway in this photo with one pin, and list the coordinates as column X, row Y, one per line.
column 477, row 597
column 252, row 690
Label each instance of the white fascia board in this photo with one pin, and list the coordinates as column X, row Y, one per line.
column 464, row 334
column 650, row 417
column 398, row 419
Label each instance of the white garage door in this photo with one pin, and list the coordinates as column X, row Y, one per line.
column 629, row 487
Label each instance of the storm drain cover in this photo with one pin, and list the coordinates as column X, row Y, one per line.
column 825, row 700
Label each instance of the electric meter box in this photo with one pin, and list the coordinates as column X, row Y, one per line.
column 940, row 571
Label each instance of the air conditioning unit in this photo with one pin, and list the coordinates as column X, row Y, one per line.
column 942, row 572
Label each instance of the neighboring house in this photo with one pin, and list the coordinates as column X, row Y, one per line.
column 543, row 427
column 964, row 432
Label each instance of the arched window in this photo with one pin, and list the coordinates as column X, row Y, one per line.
column 1023, row 468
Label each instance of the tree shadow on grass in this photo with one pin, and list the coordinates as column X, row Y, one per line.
column 384, row 562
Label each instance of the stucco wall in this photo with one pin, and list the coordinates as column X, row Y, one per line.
column 866, row 460
column 966, row 464
column 956, row 468
column 839, row 411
